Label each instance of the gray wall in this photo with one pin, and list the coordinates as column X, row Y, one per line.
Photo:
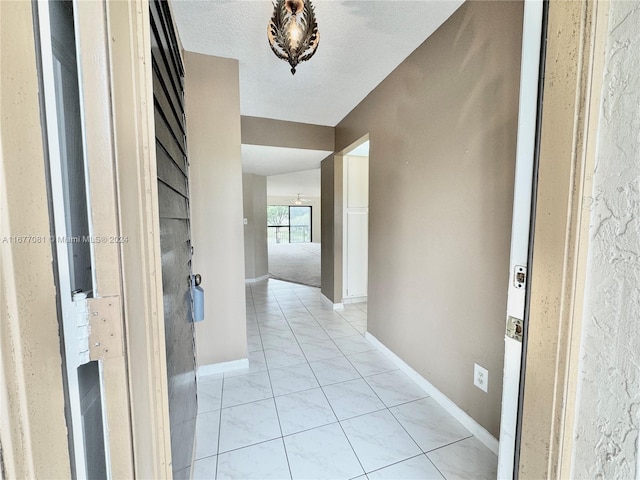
column 606, row 432
column 254, row 193
column 212, row 96
column 442, row 129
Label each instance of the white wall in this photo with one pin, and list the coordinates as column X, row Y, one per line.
column 608, row 416
column 213, row 135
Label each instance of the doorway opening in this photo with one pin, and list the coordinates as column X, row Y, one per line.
column 355, row 215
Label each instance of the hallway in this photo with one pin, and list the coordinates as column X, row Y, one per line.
column 320, row 402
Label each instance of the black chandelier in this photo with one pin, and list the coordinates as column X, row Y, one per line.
column 293, row 31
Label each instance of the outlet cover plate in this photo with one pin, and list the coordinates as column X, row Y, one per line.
column 480, row 377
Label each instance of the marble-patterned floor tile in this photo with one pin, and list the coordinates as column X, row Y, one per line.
column 416, row 468
column 279, row 326
column 339, row 331
column 334, row 370
column 395, row 387
column 306, row 334
column 284, row 357
column 320, row 350
column 322, row 453
column 248, row 424
column 354, row 344
column 209, row 396
column 292, row 379
column 254, row 343
column 352, row 398
column 303, row 411
column 371, row 363
column 252, row 329
column 379, row 440
column 207, row 427
column 429, row 424
column 278, row 340
column 466, row 459
column 205, row 468
column 245, row 389
column 264, row 461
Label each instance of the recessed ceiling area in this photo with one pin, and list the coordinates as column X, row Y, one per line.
column 361, row 42
column 263, row 160
column 306, row 183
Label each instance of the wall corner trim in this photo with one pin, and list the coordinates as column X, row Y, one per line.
column 256, row 280
column 336, row 306
column 454, row 410
column 222, row 367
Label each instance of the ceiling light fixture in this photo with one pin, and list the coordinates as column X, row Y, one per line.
column 293, row 31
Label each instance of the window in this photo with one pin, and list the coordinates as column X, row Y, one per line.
column 288, row 224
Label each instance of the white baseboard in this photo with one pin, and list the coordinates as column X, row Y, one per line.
column 255, row 280
column 354, row 300
column 222, row 367
column 336, row 306
column 445, row 402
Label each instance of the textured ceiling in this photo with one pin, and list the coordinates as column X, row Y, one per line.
column 361, row 42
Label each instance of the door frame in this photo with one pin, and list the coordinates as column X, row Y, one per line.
column 576, row 41
column 122, row 170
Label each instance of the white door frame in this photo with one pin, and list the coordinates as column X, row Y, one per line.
column 523, row 190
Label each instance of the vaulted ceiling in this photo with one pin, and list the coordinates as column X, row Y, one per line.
column 361, row 42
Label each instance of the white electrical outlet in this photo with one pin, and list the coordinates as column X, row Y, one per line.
column 480, row 377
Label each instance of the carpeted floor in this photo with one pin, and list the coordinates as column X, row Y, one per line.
column 295, row 262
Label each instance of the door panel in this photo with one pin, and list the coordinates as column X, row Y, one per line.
column 175, row 236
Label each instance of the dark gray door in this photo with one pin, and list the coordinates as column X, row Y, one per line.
column 175, row 236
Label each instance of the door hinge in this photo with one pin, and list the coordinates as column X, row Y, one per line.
column 81, row 311
column 105, row 328
column 514, row 328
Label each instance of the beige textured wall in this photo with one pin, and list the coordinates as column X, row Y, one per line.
column 213, row 135
column 606, row 430
column 442, row 129
column 278, row 133
column 33, row 430
column 254, row 193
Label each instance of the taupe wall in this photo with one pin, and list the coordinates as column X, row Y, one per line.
column 316, row 212
column 278, row 133
column 256, row 258
column 213, row 135
column 442, row 129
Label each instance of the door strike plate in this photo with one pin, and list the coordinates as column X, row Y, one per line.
column 515, row 328
column 105, row 323
column 520, row 277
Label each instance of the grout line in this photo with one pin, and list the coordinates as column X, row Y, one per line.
column 448, row 444
column 219, row 426
column 435, row 466
column 396, row 463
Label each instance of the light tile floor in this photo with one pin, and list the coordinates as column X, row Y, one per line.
column 318, row 401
